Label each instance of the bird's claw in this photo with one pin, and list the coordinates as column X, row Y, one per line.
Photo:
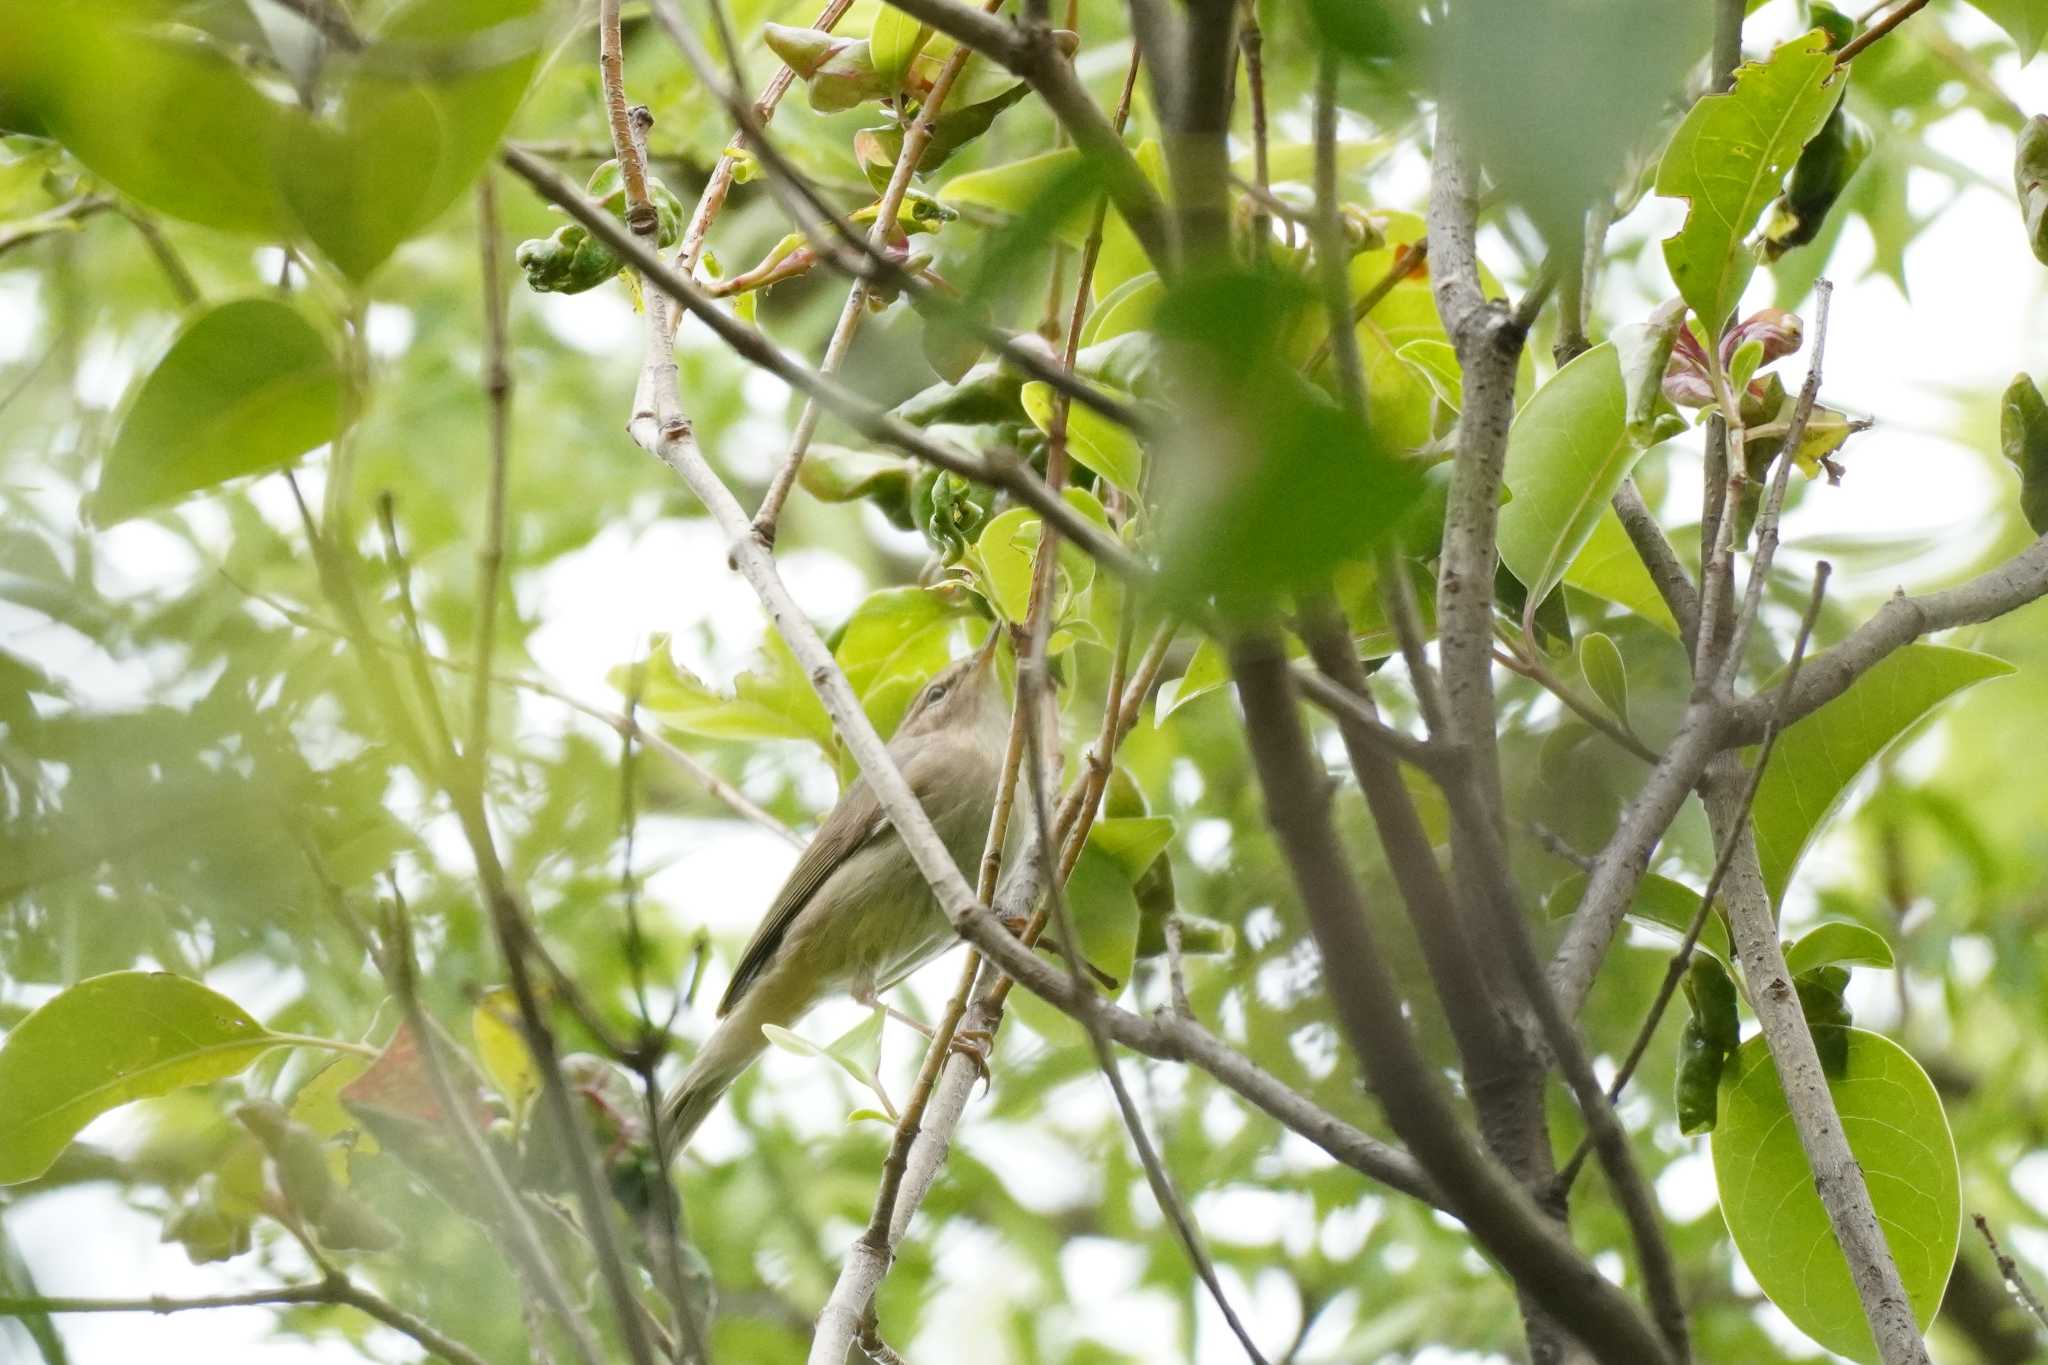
column 976, row 1045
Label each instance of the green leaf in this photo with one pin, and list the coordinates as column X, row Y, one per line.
column 1608, row 567
column 396, row 151
column 1437, row 363
column 770, row 701
column 1600, row 660
column 246, row 388
column 1128, row 309
column 1206, row 671
column 1095, row 442
column 893, row 44
column 318, row 1106
column 1900, row 1137
column 1568, row 451
column 2025, row 22
column 2023, row 436
column 896, row 639
column 1838, row 941
column 1818, row 758
column 1104, row 910
column 857, row 1052
column 1015, row 188
column 1661, row 904
column 1009, row 544
column 105, row 1041
column 1728, row 159
column 1132, row 841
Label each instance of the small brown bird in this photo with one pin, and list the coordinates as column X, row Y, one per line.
column 855, row 916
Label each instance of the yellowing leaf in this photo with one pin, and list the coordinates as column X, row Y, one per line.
column 501, row 1048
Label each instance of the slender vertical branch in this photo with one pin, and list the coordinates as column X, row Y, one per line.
column 498, row 415
column 2009, row 1270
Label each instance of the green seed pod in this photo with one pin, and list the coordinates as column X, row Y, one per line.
column 2030, row 181
column 2023, row 434
column 1712, row 997
column 1698, row 1089
column 1817, row 180
column 570, row 261
column 1827, row 1013
column 1839, row 27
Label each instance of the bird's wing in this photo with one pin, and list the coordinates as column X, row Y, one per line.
column 855, row 820
column 853, row 823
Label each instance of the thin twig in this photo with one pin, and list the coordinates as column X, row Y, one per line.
column 497, row 406
column 1163, row 1191
column 1774, row 500
column 2009, row 1269
column 335, row 1289
column 1674, row 971
column 1877, row 30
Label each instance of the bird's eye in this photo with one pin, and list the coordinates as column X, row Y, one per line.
column 937, row 691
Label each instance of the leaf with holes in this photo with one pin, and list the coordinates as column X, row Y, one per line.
column 1900, row 1136
column 1728, row 159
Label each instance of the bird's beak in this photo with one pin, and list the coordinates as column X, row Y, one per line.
column 985, row 656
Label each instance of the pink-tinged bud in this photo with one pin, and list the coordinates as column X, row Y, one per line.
column 1779, row 331
column 1686, row 386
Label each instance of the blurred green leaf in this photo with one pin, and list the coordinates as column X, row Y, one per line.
column 246, row 388
column 1900, row 1136
column 1554, row 97
column 2025, row 21
column 105, row 1041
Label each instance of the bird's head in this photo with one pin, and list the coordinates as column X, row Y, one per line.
column 965, row 695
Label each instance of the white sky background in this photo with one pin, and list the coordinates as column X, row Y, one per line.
column 1971, row 323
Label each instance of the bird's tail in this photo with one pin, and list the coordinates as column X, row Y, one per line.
column 728, row 1052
